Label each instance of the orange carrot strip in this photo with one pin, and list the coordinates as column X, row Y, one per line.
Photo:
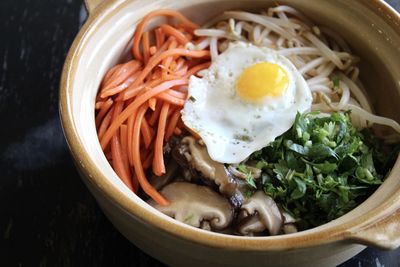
column 131, row 121
column 167, row 62
column 197, row 68
column 158, row 160
column 124, row 137
column 99, row 104
column 161, row 12
column 103, row 111
column 109, row 74
column 152, row 50
column 119, row 88
column 117, row 157
column 146, row 46
column 121, row 74
column 177, row 131
column 158, row 57
column 171, row 99
column 179, row 63
column 104, row 125
column 181, row 72
column 146, row 133
column 134, row 91
column 160, row 37
column 144, row 183
column 180, row 37
column 152, row 103
column 154, row 116
column 172, row 124
column 136, row 104
column 177, row 94
column 124, row 151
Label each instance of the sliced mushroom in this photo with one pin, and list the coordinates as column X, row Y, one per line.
column 198, row 158
column 289, row 223
column 287, row 218
column 289, row 228
column 265, row 209
column 194, row 204
column 251, row 225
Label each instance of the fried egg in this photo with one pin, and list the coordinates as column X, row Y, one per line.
column 247, row 97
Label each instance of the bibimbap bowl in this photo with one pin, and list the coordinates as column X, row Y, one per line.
column 372, row 29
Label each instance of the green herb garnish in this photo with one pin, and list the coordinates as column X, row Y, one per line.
column 249, row 177
column 335, row 82
column 191, row 98
column 321, row 168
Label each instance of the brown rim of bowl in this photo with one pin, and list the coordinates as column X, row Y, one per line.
column 312, row 237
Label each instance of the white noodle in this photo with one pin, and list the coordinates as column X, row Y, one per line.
column 260, row 20
column 325, row 50
column 321, row 88
column 374, row 118
column 344, row 100
column 312, row 64
column 318, row 80
column 214, row 48
column 356, row 91
column 289, row 10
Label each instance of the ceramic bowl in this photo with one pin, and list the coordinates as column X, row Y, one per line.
column 371, row 27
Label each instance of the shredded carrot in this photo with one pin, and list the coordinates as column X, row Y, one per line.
column 147, row 133
column 172, row 124
column 146, row 47
column 131, row 121
column 171, row 99
column 158, row 161
column 121, row 74
column 105, row 123
column 197, row 68
column 138, row 106
column 161, row 12
column 117, row 154
column 119, row 88
column 134, row 105
column 144, row 183
column 177, row 131
column 152, row 103
column 103, row 111
column 180, row 37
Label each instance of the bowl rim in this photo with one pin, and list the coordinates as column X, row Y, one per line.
column 311, row 237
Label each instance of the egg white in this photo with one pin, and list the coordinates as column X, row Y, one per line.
column 231, row 127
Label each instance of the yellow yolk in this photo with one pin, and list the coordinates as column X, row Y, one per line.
column 261, row 80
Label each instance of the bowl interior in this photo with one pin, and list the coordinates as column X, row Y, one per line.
column 107, row 42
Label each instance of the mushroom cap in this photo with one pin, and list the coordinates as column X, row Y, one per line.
column 193, row 204
column 251, row 225
column 266, row 210
column 200, row 160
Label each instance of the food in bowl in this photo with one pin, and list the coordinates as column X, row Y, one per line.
column 255, row 124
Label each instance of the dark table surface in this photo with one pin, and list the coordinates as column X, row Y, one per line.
column 47, row 216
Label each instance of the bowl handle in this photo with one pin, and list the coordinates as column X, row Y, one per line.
column 384, row 234
column 92, row 4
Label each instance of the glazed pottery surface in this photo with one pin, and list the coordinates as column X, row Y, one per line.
column 373, row 31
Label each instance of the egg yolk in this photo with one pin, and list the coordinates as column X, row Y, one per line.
column 261, row 80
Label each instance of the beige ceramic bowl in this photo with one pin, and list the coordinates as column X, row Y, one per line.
column 373, row 30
